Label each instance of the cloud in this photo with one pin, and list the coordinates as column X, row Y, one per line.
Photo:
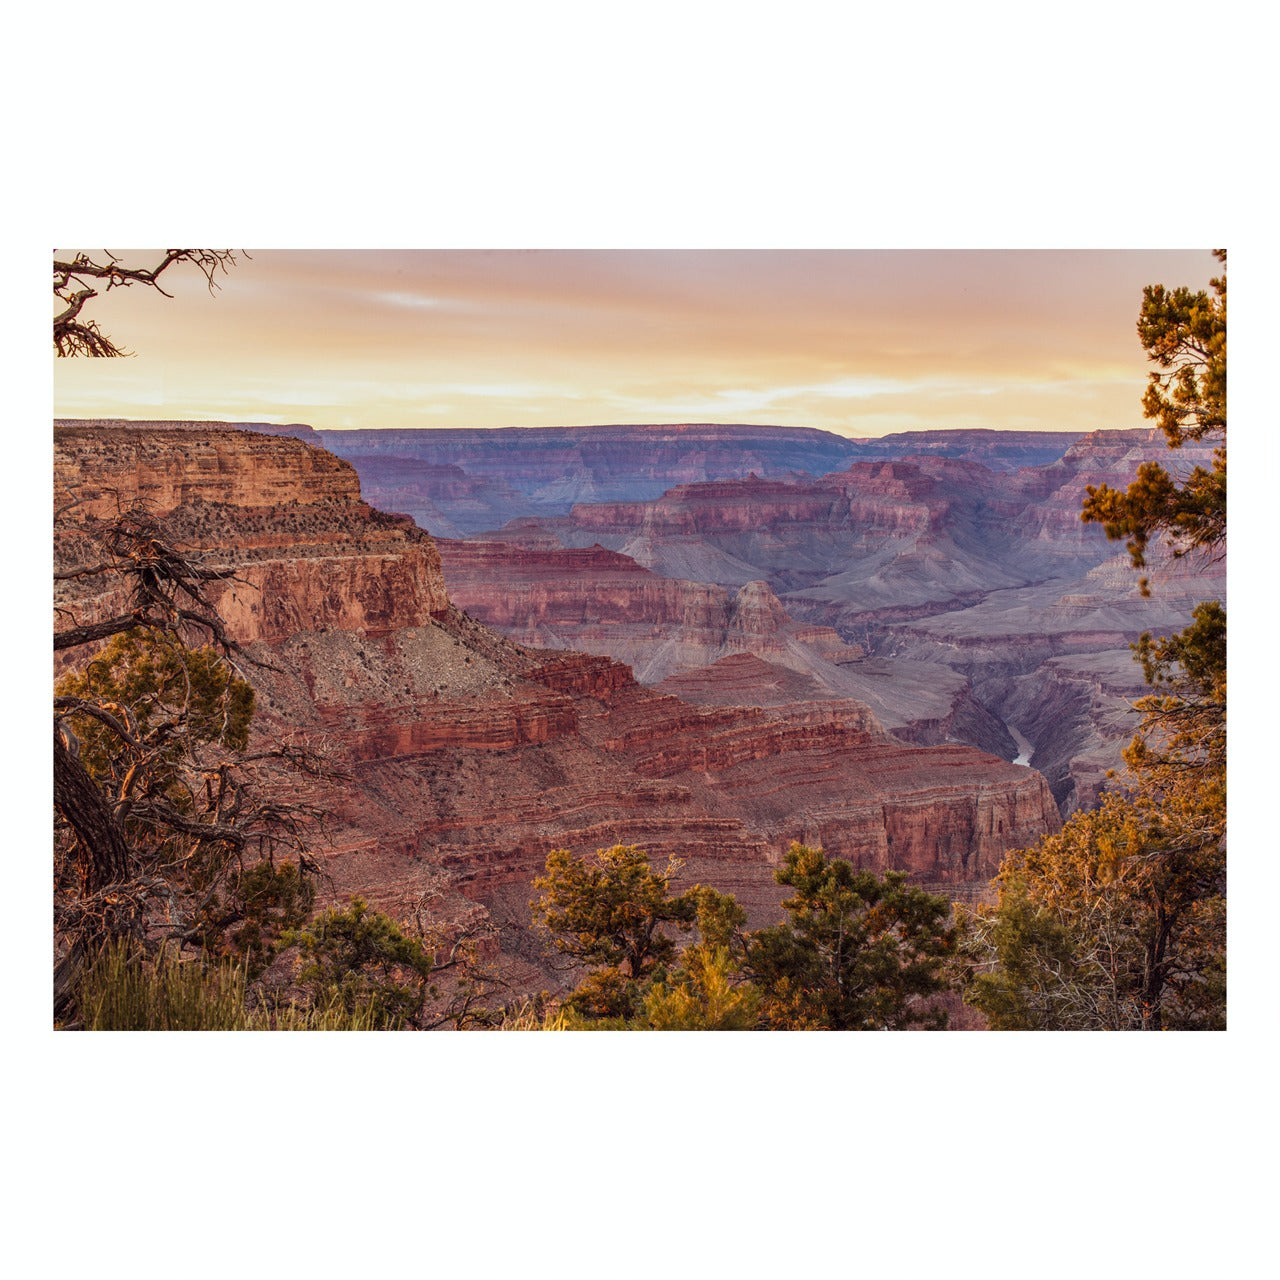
column 417, row 300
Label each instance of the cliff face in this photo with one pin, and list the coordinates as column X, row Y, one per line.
column 469, row 756
column 685, row 636
column 547, row 469
column 996, row 450
column 543, row 471
column 307, row 554
column 602, row 602
column 892, row 534
column 168, row 467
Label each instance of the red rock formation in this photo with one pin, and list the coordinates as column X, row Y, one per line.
column 599, row 601
column 307, row 554
column 469, row 756
column 929, row 563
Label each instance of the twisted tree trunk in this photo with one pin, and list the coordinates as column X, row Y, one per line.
column 101, row 852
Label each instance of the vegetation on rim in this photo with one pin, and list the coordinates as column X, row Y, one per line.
column 1119, row 921
column 858, row 952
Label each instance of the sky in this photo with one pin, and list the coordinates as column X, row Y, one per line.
column 857, row 342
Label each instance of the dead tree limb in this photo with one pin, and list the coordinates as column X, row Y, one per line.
column 79, row 279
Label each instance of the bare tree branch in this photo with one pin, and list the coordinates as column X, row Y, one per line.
column 79, row 279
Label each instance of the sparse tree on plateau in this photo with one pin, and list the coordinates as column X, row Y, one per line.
column 364, row 961
column 617, row 914
column 80, row 278
column 859, row 952
column 705, row 990
column 612, row 912
column 611, row 909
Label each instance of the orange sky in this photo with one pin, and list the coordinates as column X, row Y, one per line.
column 857, row 342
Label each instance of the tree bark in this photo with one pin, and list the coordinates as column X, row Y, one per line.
column 103, row 854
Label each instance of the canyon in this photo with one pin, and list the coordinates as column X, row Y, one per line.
column 955, row 591
column 457, row 482
column 468, row 754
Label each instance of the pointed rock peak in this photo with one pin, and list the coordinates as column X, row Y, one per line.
column 756, row 608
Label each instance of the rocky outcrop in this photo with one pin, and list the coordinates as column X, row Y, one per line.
column 468, row 756
column 286, row 519
column 170, row 467
column 600, row 601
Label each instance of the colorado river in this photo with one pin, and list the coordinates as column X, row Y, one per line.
column 1025, row 748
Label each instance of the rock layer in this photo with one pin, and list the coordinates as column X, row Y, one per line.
column 961, row 583
column 468, row 756
column 600, row 601
column 305, row 552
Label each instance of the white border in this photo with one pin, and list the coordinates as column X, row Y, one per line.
column 589, row 126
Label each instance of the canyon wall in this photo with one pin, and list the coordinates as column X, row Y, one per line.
column 599, row 601
column 286, row 519
column 467, row 756
column 966, row 586
column 456, row 481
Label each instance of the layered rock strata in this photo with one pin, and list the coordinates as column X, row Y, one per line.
column 964, row 585
column 304, row 552
column 468, row 756
column 545, row 470
column 550, row 468
column 603, row 602
column 600, row 601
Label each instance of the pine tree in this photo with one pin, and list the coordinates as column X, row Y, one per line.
column 860, row 952
column 1120, row 919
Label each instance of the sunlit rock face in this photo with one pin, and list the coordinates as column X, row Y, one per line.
column 468, row 756
column 306, row 553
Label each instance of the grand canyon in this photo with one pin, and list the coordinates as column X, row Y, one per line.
column 708, row 641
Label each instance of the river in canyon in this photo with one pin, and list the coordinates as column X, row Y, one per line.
column 1025, row 749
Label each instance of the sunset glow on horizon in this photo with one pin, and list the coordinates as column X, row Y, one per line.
column 857, row 342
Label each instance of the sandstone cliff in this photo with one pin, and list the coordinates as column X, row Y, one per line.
column 306, row 552
column 600, row 601
column 470, row 756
